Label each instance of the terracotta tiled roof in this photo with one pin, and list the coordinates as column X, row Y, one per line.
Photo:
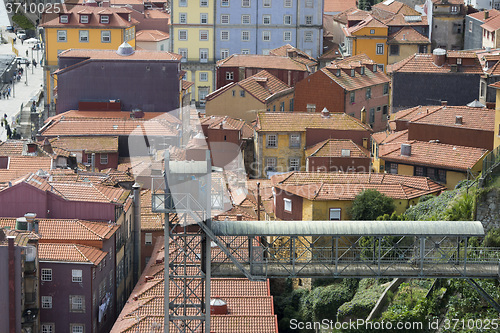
column 352, row 13
column 333, row 53
column 225, row 122
column 123, row 115
column 368, row 22
column 424, row 63
column 395, row 7
column 290, row 51
column 448, row 2
column 70, row 253
column 21, row 165
column 407, row 35
column 492, row 24
column 12, row 147
column 299, row 121
column 385, row 137
column 358, row 81
column 112, row 55
column 334, row 147
column 186, row 84
column 335, row 6
column 91, row 144
column 345, row 186
column 480, row 15
column 90, row 192
column 115, row 20
column 262, row 61
column 156, row 14
column 495, row 85
column 438, row 155
column 262, row 85
column 150, row 36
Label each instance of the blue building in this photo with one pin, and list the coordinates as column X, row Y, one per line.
column 258, row 26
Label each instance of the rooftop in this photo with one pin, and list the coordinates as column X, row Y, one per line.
column 335, row 6
column 424, row 63
column 150, row 36
column 407, row 35
column 70, row 253
column 225, row 122
column 91, row 144
column 481, row 14
column 138, row 55
column 262, row 62
column 335, row 148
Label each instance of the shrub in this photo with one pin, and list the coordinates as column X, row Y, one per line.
column 492, row 238
column 370, row 204
column 23, row 21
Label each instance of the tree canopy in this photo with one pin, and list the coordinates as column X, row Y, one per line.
column 370, row 204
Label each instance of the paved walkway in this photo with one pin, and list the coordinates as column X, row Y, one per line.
column 22, row 92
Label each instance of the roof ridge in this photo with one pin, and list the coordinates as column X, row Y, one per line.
column 77, row 247
column 82, row 223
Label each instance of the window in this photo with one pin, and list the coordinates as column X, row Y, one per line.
column 271, row 164
column 245, row 36
column 61, row 36
column 245, row 51
column 372, row 31
column 224, row 35
column 454, row 9
column 287, row 203
column 291, row 104
column 380, row 67
column 203, row 3
column 103, row 159
column 272, row 140
column 76, row 275
column 242, row 93
column 64, row 18
column 224, row 3
column 353, row 72
column 386, row 88
column 183, row 35
column 457, row 28
column 309, row 3
column 482, row 89
column 294, row 164
column 368, row 93
column 266, row 36
column 309, row 20
column 203, row 18
column 203, row 76
column 352, row 96
column 266, row 19
column 335, row 214
column 76, row 303
column 46, row 274
column 148, row 238
column 393, row 50
column 84, row 19
column 419, row 171
column 287, row 3
column 224, row 19
column 287, row 19
column 106, row 36
column 372, row 116
column 47, row 328
column 183, row 18
column 422, row 49
column 380, row 48
column 93, row 273
column 184, row 53
column 295, row 140
column 46, row 302
column 245, row 3
column 229, row 76
column 287, row 36
column 84, row 36
column 308, row 36
column 384, row 109
column 89, row 158
column 224, row 53
column 183, row 3
column 392, row 167
column 311, row 107
column 76, row 328
column 267, row 3
column 203, row 34
column 441, row 176
column 104, row 19
column 245, row 19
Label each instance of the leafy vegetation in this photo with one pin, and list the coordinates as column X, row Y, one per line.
column 23, row 21
column 363, row 302
column 370, row 204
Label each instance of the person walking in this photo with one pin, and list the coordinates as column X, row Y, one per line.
column 33, row 62
column 8, row 91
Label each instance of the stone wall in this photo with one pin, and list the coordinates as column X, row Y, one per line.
column 488, row 208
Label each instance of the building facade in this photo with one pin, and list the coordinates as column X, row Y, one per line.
column 446, row 22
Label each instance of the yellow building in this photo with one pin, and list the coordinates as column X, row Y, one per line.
column 244, row 99
column 404, row 43
column 82, row 27
column 368, row 37
column 192, row 36
column 496, row 130
column 281, row 138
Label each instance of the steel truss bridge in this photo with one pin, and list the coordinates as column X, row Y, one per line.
column 200, row 248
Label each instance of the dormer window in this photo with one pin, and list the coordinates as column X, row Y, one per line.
column 374, row 68
column 64, row 19
column 104, row 19
column 338, row 72
column 353, row 71
column 362, row 71
column 84, row 19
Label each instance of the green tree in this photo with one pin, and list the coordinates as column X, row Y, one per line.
column 370, row 204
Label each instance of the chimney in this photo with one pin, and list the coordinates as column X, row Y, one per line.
column 486, row 14
column 218, row 306
column 439, row 57
column 30, row 219
column 31, row 147
column 459, row 120
column 47, row 146
column 325, row 113
column 405, row 149
column 363, row 115
column 444, row 103
column 136, row 190
column 12, row 284
column 239, row 217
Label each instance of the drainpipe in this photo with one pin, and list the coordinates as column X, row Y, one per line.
column 12, row 285
column 258, row 201
column 136, row 188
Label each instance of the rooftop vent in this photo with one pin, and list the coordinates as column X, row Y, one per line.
column 459, row 120
column 218, row 307
column 439, row 56
column 346, row 153
column 405, row 149
column 125, row 49
column 325, row 113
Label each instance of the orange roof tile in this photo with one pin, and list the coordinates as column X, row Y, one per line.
column 112, row 55
column 70, row 253
column 225, row 122
column 156, row 14
column 407, row 35
column 12, row 147
column 290, row 51
column 115, row 20
column 437, row 155
column 481, row 15
column 424, row 63
column 262, row 61
column 368, row 22
column 91, row 144
column 352, row 13
column 123, row 115
column 150, row 36
column 334, row 148
column 83, row 191
column 335, row 6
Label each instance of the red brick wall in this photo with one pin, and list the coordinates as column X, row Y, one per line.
column 451, row 135
column 147, row 250
column 221, row 76
column 343, row 164
column 112, row 161
column 378, row 100
column 320, row 90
